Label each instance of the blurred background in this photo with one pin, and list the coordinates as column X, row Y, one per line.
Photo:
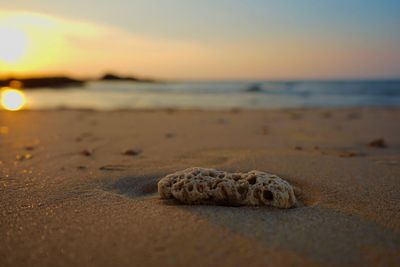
column 199, row 54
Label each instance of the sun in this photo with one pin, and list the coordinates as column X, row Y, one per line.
column 12, row 99
column 34, row 43
column 13, row 44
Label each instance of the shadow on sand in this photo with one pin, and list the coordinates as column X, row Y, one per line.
column 323, row 234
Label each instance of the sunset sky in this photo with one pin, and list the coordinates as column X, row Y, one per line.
column 208, row 39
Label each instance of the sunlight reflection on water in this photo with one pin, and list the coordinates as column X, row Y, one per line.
column 12, row 99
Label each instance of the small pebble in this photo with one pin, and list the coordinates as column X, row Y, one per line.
column 86, row 153
column 169, row 135
column 112, row 168
column 379, row 143
column 264, row 131
column 131, row 152
column 349, row 154
column 29, row 148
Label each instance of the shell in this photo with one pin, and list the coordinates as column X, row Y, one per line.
column 214, row 187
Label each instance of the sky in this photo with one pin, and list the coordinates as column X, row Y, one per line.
column 201, row 40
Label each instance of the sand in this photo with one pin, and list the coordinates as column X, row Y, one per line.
column 71, row 195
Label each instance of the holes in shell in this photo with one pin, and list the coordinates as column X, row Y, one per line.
column 267, row 195
column 190, row 187
column 200, row 188
column 178, row 186
column 236, row 177
column 252, row 179
column 215, row 184
column 242, row 190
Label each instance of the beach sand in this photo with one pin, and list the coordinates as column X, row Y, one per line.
column 78, row 188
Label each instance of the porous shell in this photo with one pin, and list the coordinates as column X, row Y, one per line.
column 214, row 187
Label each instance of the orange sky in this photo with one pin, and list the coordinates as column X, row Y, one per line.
column 37, row 43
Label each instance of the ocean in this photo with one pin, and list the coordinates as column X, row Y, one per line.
column 102, row 95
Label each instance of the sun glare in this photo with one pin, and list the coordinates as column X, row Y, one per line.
column 13, row 44
column 12, row 99
column 29, row 42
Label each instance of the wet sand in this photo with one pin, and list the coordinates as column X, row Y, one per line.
column 78, row 188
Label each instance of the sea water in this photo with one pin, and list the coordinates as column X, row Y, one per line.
column 219, row 95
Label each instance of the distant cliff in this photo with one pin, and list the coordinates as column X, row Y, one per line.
column 114, row 77
column 57, row 82
column 44, row 82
